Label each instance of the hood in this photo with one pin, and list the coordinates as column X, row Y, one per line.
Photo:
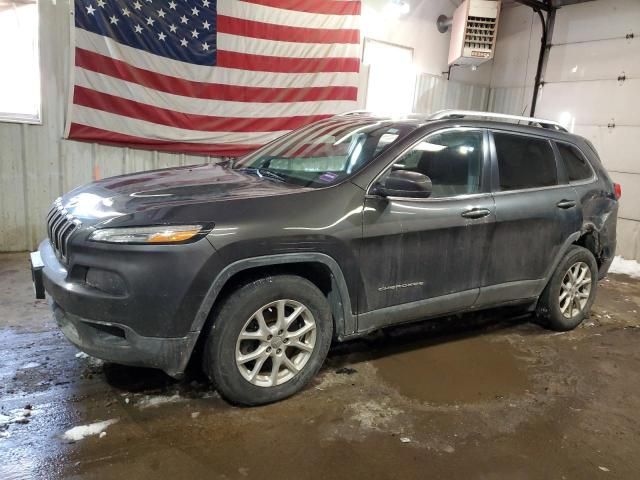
column 173, row 195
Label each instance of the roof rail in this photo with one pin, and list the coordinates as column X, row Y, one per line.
column 353, row 112
column 442, row 114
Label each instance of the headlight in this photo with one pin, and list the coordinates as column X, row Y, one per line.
column 159, row 234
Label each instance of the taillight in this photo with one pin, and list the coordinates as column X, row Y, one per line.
column 617, row 190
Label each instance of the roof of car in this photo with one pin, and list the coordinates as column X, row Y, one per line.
column 486, row 119
column 452, row 118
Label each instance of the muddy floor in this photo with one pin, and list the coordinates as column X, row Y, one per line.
column 483, row 396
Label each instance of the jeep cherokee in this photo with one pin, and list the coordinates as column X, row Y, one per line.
column 345, row 226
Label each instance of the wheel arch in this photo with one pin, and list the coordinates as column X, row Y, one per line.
column 590, row 239
column 587, row 237
column 319, row 268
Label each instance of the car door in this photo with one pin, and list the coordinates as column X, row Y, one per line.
column 536, row 212
column 426, row 256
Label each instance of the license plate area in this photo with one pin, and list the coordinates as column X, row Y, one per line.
column 37, row 266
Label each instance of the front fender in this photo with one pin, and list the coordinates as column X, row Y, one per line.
column 340, row 300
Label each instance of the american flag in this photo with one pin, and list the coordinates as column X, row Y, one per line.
column 215, row 77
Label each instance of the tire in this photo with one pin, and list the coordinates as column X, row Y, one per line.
column 557, row 310
column 253, row 382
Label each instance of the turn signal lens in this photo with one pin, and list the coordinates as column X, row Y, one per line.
column 159, row 234
column 617, row 188
column 170, row 236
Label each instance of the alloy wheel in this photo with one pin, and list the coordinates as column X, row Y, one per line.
column 276, row 343
column 575, row 290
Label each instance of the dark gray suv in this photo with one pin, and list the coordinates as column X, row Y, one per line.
column 343, row 227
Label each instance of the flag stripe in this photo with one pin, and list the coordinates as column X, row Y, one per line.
column 197, row 73
column 311, row 141
column 276, row 48
column 84, row 132
column 313, row 6
column 132, row 91
column 94, row 62
column 263, row 63
column 270, row 31
column 188, row 121
column 155, row 131
column 259, row 12
column 307, row 132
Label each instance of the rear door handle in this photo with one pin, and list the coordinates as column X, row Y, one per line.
column 566, row 204
column 476, row 213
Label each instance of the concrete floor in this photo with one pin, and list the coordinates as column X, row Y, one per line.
column 484, row 396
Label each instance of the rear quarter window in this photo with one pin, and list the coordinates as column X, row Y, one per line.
column 524, row 162
column 575, row 163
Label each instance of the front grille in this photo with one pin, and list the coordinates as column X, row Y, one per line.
column 60, row 226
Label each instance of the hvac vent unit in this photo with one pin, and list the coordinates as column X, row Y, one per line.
column 473, row 32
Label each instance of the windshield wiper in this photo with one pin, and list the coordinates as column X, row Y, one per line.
column 263, row 172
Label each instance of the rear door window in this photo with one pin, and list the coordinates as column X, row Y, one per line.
column 524, row 162
column 575, row 163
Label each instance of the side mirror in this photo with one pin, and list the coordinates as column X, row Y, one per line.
column 403, row 183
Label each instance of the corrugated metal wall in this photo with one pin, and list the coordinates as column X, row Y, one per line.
column 435, row 93
column 37, row 165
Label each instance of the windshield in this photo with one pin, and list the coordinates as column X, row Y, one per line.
column 323, row 153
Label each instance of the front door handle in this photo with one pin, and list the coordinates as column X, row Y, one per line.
column 566, row 204
column 476, row 213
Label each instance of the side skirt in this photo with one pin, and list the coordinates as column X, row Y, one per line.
column 421, row 309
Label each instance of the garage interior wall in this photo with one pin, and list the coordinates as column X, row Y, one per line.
column 37, row 165
column 581, row 87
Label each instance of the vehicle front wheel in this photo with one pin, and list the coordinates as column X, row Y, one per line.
column 268, row 339
column 567, row 299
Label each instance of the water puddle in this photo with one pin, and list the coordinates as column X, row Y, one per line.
column 465, row 370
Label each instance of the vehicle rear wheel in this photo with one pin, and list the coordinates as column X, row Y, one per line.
column 268, row 339
column 567, row 299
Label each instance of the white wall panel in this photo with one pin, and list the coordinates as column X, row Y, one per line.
column 517, row 48
column 629, row 204
column 596, row 20
column 594, row 61
column 12, row 198
column 628, row 238
column 591, row 103
column 619, row 148
column 416, row 30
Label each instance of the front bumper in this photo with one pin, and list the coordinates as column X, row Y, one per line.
column 118, row 343
column 151, row 322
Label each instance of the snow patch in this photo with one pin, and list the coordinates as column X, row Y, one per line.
column 18, row 415
column 156, row 400
column 626, row 267
column 78, row 433
column 81, row 355
column 29, row 365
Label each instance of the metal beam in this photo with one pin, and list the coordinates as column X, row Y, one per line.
column 535, row 4
column 564, row 3
column 545, row 45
